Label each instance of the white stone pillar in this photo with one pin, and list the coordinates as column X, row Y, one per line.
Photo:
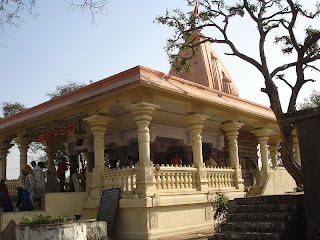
column 52, row 182
column 142, row 112
column 263, row 137
column 89, row 159
column 50, row 155
column 3, row 163
column 98, row 125
column 296, row 146
column 273, row 148
column 232, row 132
column 23, row 145
column 195, row 124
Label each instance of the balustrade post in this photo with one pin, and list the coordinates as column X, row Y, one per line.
column 98, row 125
column 232, row 132
column 263, row 137
column 195, row 124
column 146, row 183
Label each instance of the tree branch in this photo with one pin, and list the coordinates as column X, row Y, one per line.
column 312, row 67
column 281, row 77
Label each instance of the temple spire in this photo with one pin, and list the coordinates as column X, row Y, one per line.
column 208, row 70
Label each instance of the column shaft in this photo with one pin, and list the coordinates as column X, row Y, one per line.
column 263, row 137
column 195, row 124
column 273, row 154
column 98, row 125
column 23, row 145
column 232, row 132
column 52, row 182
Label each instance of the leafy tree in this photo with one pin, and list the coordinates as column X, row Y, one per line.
column 65, row 88
column 270, row 17
column 9, row 109
column 310, row 102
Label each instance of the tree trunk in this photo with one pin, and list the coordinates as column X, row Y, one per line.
column 287, row 157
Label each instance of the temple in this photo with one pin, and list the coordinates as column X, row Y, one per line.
column 149, row 117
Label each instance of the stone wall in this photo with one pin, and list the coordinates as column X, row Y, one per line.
column 82, row 230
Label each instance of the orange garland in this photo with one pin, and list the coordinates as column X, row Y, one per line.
column 55, row 131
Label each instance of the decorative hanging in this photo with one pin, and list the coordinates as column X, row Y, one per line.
column 55, row 131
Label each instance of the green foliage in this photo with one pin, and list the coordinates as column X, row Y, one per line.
column 9, row 109
column 65, row 88
column 310, row 102
column 220, row 206
column 300, row 188
column 42, row 219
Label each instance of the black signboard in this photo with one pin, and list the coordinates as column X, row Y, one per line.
column 109, row 207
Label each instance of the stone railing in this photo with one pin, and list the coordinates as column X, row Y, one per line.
column 124, row 177
column 12, row 186
column 220, row 177
column 174, row 177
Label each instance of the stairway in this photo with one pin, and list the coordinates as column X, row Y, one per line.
column 264, row 217
column 255, row 191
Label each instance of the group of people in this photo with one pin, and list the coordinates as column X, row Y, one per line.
column 29, row 194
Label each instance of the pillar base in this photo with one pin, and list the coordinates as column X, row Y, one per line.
column 202, row 181
column 238, row 180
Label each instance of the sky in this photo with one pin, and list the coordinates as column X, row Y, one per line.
column 63, row 45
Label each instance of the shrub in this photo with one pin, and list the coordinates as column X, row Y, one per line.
column 220, row 206
column 42, row 219
column 300, row 188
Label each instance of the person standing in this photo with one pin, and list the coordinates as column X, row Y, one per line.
column 62, row 168
column 176, row 160
column 28, row 185
column 5, row 198
column 39, row 181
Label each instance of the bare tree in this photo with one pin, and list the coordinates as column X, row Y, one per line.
column 269, row 16
column 12, row 11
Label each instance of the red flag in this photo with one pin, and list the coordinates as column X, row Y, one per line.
column 196, row 10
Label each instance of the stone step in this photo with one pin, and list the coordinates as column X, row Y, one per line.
column 267, row 199
column 249, row 236
column 266, row 208
column 262, row 227
column 274, row 216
